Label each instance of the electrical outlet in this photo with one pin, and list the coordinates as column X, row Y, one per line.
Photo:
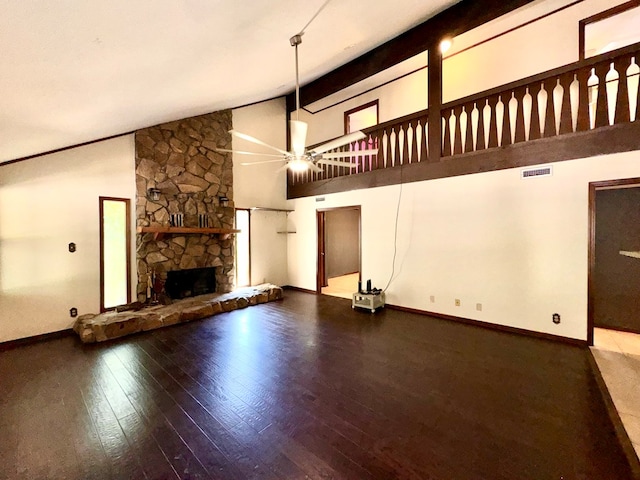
column 555, row 318
column 457, row 302
column 432, row 299
column 479, row 307
column 73, row 312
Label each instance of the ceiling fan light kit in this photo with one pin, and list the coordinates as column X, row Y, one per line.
column 301, row 159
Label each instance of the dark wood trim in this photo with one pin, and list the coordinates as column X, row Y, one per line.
column 43, row 337
column 571, row 146
column 614, row 416
column 446, row 57
column 434, row 82
column 127, row 203
column 298, row 289
column 493, row 326
column 453, row 21
column 373, row 103
column 591, row 252
column 593, row 188
column 321, row 266
column 600, row 16
column 306, row 109
column 62, row 149
column 321, row 222
column 513, row 29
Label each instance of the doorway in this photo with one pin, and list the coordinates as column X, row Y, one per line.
column 339, row 251
column 115, row 252
column 614, row 258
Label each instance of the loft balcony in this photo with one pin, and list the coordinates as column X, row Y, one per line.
column 586, row 108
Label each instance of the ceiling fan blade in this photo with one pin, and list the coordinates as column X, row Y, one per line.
column 264, row 161
column 337, row 163
column 339, row 142
column 314, row 167
column 248, row 153
column 298, row 136
column 249, row 138
column 352, row 153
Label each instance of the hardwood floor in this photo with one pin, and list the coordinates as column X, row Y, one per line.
column 305, row 388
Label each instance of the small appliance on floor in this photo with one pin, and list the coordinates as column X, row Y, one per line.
column 371, row 298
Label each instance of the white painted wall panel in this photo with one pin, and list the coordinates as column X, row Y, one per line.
column 263, row 186
column 46, row 203
column 519, row 247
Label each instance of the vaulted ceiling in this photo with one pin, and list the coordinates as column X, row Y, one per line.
column 74, row 71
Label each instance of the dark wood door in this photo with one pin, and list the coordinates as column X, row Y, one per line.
column 616, row 292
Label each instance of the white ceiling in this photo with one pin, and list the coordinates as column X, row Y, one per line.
column 74, row 71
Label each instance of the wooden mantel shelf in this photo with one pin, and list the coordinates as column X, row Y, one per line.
column 159, row 231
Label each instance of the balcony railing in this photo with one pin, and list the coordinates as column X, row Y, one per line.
column 587, row 95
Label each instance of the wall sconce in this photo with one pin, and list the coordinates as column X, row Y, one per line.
column 445, row 44
column 153, row 194
column 224, row 201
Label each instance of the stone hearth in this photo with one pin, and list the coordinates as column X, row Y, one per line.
column 106, row 326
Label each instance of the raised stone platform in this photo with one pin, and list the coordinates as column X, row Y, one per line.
column 93, row 328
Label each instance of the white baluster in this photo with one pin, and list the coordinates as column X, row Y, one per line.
column 401, row 145
column 475, row 117
column 499, row 119
column 513, row 112
column 574, row 99
column 486, row 119
column 633, row 79
column 558, row 95
column 419, row 140
column 592, row 86
column 392, row 139
column 543, row 98
column 410, row 143
column 527, row 102
column 463, row 128
column 385, row 144
column 444, row 129
column 612, row 80
column 452, row 130
column 426, row 136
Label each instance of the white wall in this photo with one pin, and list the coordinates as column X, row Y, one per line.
column 263, row 186
column 534, row 48
column 518, row 247
column 46, row 203
column 402, row 97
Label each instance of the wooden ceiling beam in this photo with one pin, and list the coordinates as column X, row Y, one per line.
column 459, row 18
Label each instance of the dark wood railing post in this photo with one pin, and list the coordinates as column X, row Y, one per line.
column 434, row 73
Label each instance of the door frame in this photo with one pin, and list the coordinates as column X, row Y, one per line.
column 593, row 188
column 127, row 203
column 321, row 221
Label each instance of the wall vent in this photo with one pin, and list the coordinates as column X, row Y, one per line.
column 536, row 172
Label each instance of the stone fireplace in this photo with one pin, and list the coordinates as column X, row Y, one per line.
column 181, row 178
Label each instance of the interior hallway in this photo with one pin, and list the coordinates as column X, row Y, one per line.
column 343, row 287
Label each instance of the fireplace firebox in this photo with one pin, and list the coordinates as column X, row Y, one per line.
column 190, row 282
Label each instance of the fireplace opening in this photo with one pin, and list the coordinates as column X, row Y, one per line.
column 190, row 282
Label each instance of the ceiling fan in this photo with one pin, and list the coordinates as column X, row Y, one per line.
column 301, row 158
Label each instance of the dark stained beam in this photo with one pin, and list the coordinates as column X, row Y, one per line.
column 453, row 21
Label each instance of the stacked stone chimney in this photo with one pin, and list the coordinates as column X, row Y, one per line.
column 179, row 160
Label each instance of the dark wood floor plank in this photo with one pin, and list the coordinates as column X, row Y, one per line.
column 306, row 388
